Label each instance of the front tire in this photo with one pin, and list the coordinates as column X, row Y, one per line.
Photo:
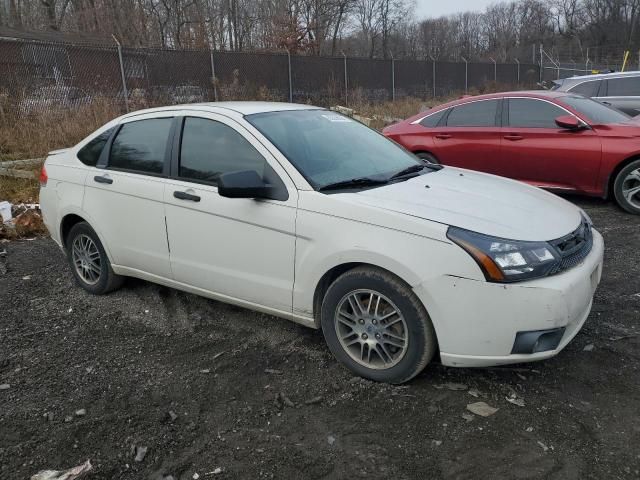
column 375, row 325
column 89, row 262
column 626, row 188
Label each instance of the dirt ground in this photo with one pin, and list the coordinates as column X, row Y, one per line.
column 208, row 387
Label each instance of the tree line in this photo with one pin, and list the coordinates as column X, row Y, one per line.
column 569, row 29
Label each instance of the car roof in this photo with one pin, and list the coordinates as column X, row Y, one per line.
column 515, row 93
column 241, row 108
column 597, row 76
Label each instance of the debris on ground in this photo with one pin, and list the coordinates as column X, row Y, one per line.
column 81, row 412
column 543, row 446
column 515, row 400
column 331, row 439
column 217, row 471
column 436, row 443
column 481, row 409
column 70, row 474
column 273, row 371
column 173, row 416
column 282, row 399
column 5, row 212
column 451, row 386
column 141, row 452
column 468, row 417
column 5, row 386
column 588, row 348
column 474, row 392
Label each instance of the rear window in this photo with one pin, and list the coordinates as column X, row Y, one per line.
column 474, row 114
column 140, row 146
column 90, row 153
column 588, row 89
column 433, row 119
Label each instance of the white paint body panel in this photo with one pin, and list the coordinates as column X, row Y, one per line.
column 271, row 255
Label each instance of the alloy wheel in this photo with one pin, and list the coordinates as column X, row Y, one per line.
column 371, row 329
column 86, row 259
column 631, row 188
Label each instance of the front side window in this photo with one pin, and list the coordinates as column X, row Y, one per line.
column 211, row 148
column 140, row 146
column 531, row 113
column 474, row 114
column 623, row 87
column 588, row 89
column 90, row 153
column 598, row 113
column 328, row 148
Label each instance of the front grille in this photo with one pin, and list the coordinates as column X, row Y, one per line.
column 573, row 248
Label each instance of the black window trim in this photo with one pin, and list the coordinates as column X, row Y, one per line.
column 103, row 161
column 496, row 120
column 281, row 191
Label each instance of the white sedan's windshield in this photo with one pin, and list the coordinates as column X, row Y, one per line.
column 328, row 148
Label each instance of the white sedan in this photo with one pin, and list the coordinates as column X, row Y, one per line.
column 302, row 213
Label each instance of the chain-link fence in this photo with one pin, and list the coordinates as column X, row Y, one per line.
column 38, row 76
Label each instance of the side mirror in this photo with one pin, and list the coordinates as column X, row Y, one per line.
column 243, row 184
column 569, row 122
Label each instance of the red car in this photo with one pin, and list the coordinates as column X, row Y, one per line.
column 554, row 140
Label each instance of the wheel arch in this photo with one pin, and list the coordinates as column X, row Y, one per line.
column 333, row 273
column 73, row 217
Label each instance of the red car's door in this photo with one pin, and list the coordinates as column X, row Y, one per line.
column 543, row 154
column 469, row 137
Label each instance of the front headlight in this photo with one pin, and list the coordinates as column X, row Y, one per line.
column 504, row 260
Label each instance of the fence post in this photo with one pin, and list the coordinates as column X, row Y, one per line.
column 466, row 74
column 541, row 64
column 290, row 81
column 518, row 62
column 495, row 69
column 393, row 78
column 433, row 73
column 125, row 93
column 213, row 77
column 346, row 80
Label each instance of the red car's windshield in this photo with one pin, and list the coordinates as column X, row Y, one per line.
column 596, row 112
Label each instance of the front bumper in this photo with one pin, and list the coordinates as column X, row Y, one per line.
column 476, row 322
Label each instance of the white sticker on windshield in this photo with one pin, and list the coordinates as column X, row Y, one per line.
column 337, row 118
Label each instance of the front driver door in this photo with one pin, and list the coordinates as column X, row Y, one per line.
column 543, row 154
column 240, row 248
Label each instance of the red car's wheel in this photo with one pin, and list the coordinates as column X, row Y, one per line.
column 626, row 188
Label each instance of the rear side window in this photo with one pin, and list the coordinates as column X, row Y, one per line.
column 140, row 146
column 433, row 119
column 623, row 87
column 211, row 148
column 90, row 153
column 531, row 113
column 474, row 114
column 588, row 89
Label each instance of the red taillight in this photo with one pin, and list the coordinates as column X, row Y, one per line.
column 43, row 176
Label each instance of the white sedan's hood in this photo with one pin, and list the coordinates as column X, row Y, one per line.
column 479, row 202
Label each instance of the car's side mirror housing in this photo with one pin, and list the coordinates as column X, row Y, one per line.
column 243, row 184
column 569, row 122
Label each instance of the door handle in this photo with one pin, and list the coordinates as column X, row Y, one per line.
column 102, row 179
column 606, row 103
column 186, row 196
column 443, row 136
column 513, row 137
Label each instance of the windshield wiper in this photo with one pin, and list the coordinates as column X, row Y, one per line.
column 354, row 182
column 415, row 169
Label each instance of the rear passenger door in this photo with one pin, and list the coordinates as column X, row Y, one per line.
column 622, row 93
column 241, row 248
column 469, row 137
column 124, row 194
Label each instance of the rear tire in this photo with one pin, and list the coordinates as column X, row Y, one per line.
column 427, row 158
column 367, row 336
column 89, row 262
column 626, row 188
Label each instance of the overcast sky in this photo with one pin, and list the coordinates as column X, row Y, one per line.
column 438, row 8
